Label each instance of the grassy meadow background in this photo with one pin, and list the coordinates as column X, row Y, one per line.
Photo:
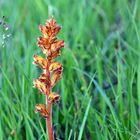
column 100, row 88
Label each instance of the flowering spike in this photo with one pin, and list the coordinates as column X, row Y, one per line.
column 52, row 70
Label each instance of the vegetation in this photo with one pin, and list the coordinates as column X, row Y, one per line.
column 100, row 87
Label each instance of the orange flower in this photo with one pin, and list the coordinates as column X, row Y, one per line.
column 40, row 85
column 47, row 31
column 40, row 61
column 57, row 45
column 54, row 66
column 51, row 57
column 53, row 97
column 45, row 79
column 52, row 27
column 42, row 109
column 56, row 76
column 43, row 43
column 43, row 29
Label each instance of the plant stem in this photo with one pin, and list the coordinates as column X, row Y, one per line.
column 49, row 120
column 49, row 109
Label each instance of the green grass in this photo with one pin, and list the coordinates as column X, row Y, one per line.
column 100, row 88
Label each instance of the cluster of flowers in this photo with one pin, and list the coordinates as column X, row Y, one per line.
column 52, row 70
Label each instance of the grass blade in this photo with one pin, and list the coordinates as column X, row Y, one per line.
column 84, row 120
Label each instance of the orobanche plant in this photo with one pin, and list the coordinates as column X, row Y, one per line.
column 52, row 70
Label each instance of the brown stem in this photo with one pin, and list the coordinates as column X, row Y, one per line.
column 49, row 120
column 49, row 109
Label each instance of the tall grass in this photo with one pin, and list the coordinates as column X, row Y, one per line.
column 100, row 89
